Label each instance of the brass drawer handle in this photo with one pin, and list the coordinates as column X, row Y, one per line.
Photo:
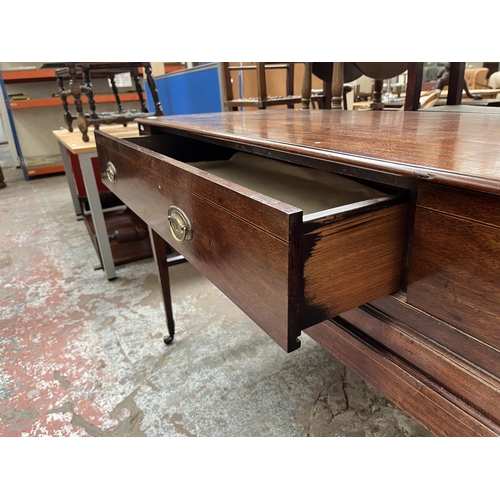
column 111, row 172
column 180, row 225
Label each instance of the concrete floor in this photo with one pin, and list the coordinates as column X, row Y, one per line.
column 83, row 356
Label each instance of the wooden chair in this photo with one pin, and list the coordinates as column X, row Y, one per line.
column 75, row 71
column 263, row 100
column 334, row 76
column 324, row 71
column 383, row 71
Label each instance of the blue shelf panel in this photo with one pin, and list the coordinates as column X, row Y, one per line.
column 190, row 91
column 13, row 129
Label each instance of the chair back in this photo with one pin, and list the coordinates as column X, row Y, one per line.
column 380, row 72
column 476, row 77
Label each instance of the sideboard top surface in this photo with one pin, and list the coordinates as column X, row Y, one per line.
column 450, row 148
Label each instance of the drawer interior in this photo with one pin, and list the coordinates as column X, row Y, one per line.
column 311, row 190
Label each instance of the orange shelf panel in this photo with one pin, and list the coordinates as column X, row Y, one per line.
column 56, row 101
column 45, row 170
column 34, row 75
column 44, row 75
column 169, row 68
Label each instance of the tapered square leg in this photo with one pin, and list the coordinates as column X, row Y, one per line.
column 160, row 251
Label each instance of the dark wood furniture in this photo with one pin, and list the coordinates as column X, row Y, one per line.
column 381, row 71
column 409, row 280
column 324, row 71
column 77, row 71
column 262, row 99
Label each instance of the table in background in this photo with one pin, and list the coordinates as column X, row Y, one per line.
column 82, row 172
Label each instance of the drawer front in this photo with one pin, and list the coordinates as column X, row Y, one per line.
column 247, row 247
column 283, row 271
column 455, row 262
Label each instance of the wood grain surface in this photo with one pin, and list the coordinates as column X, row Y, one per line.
column 460, row 203
column 455, row 273
column 141, row 166
column 449, row 148
column 130, row 249
column 73, row 140
column 478, row 354
column 353, row 261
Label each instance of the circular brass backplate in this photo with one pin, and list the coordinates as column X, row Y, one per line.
column 179, row 223
column 111, row 172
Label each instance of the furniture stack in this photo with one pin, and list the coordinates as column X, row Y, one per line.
column 76, row 71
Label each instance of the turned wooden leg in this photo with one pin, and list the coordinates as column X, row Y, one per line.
column 116, row 94
column 290, row 73
column 261, row 85
column 338, row 85
column 68, row 118
column 305, row 101
column 414, row 86
column 74, row 86
column 160, row 250
column 90, row 94
column 138, row 89
column 377, row 95
column 153, row 90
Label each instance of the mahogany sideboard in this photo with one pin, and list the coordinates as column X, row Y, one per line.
column 401, row 283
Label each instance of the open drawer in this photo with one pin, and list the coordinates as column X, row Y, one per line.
column 232, row 216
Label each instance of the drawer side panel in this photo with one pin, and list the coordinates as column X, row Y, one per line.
column 353, row 261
